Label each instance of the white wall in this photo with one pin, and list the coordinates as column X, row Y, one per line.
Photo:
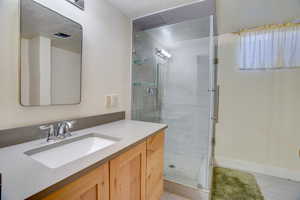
column 54, row 80
column 259, row 116
column 34, row 70
column 65, row 76
column 106, row 63
column 234, row 15
column 25, row 81
column 45, row 70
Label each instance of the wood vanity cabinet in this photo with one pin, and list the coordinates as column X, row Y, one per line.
column 92, row 186
column 136, row 174
column 155, row 167
column 128, row 175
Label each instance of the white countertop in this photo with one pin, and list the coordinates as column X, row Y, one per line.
column 23, row 177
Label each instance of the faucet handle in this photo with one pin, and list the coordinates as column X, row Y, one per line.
column 50, row 129
column 47, row 127
column 64, row 128
column 71, row 123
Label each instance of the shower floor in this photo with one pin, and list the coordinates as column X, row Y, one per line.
column 185, row 170
column 186, row 144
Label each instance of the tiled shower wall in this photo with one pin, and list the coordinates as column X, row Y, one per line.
column 145, row 107
column 182, row 102
column 185, row 108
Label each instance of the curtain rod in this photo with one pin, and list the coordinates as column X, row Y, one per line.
column 268, row 27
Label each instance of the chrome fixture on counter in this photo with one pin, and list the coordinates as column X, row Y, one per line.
column 60, row 132
column 64, row 127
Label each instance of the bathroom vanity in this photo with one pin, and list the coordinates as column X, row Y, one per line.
column 136, row 174
column 129, row 169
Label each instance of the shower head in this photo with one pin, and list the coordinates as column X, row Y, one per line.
column 163, row 53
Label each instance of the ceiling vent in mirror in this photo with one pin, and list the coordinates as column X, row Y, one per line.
column 62, row 35
column 78, row 3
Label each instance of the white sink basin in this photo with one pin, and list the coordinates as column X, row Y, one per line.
column 59, row 154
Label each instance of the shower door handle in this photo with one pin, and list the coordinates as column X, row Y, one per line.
column 217, row 102
column 151, row 91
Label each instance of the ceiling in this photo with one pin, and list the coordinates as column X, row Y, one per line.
column 232, row 15
column 139, row 8
column 185, row 13
column 37, row 20
column 172, row 36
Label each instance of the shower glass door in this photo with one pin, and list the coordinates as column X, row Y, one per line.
column 173, row 78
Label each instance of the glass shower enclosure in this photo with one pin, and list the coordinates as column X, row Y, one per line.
column 173, row 82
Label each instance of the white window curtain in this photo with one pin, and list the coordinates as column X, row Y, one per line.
column 270, row 49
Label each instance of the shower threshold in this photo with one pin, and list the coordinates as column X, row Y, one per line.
column 190, row 192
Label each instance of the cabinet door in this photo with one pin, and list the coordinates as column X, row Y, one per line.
column 128, row 174
column 92, row 186
column 155, row 167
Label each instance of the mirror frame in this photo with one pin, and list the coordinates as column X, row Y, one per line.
column 20, row 54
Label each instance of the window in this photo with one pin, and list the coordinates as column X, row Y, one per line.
column 271, row 48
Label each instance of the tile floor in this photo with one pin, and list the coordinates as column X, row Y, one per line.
column 272, row 188
column 278, row 189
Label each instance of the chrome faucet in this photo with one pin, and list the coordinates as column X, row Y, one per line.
column 63, row 129
column 60, row 132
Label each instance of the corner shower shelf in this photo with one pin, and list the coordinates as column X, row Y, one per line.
column 141, row 62
column 144, row 84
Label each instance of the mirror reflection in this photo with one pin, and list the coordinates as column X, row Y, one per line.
column 51, row 53
column 78, row 3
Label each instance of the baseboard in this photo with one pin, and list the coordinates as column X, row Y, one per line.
column 258, row 168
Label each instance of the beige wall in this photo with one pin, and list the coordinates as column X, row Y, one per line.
column 106, row 63
column 234, row 15
column 259, row 112
column 65, row 73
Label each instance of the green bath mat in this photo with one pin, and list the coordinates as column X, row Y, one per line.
column 231, row 184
